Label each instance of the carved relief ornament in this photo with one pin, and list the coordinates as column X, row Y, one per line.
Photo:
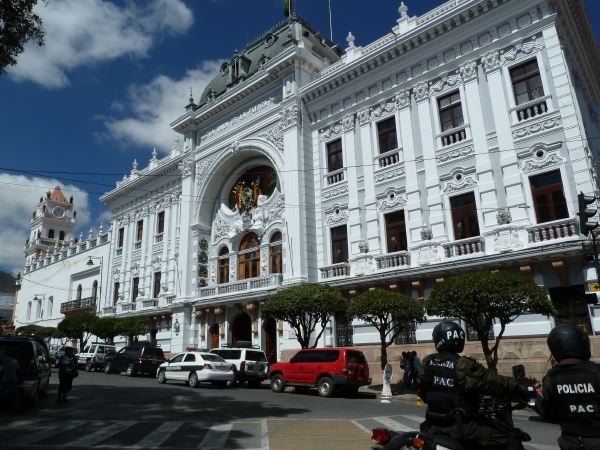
column 330, row 133
column 421, row 91
column 289, row 116
column 336, row 216
column 384, row 109
column 491, row 61
column 274, row 135
column 348, row 123
column 186, row 167
column 460, row 182
column 524, row 48
column 364, row 116
column 393, row 200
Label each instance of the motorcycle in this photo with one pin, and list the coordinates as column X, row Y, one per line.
column 496, row 411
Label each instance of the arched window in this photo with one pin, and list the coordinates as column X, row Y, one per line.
column 223, row 266
column 49, row 306
column 61, row 236
column 29, row 311
column 95, row 290
column 79, row 289
column 249, row 257
column 275, row 253
column 51, row 234
column 38, row 314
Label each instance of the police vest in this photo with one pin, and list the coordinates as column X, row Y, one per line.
column 576, row 398
column 439, row 386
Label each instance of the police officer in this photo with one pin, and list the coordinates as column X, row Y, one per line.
column 571, row 389
column 450, row 384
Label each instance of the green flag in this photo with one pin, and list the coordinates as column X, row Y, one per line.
column 287, row 7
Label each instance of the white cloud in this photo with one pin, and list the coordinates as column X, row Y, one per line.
column 86, row 32
column 19, row 196
column 146, row 122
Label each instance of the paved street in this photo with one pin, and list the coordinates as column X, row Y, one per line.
column 112, row 411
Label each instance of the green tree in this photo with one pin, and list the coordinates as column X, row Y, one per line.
column 479, row 298
column 107, row 328
column 132, row 327
column 60, row 335
column 386, row 311
column 18, row 24
column 78, row 325
column 37, row 330
column 305, row 307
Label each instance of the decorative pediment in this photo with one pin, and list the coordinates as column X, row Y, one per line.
column 541, row 156
column 459, row 179
column 393, row 200
column 523, row 49
column 336, row 215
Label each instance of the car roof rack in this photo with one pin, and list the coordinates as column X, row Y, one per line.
column 240, row 344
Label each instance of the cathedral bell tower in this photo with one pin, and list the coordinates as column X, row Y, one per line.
column 52, row 225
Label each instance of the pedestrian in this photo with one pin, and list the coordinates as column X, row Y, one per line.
column 405, row 365
column 67, row 370
column 9, row 381
column 415, row 367
column 571, row 389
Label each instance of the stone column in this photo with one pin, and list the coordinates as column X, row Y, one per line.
column 293, row 182
column 354, row 219
column 185, row 248
column 429, row 144
column 511, row 174
column 486, row 184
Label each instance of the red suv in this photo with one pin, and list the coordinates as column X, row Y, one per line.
column 325, row 368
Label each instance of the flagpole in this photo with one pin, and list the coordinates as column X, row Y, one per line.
column 330, row 24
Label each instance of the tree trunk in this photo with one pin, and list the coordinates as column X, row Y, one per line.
column 489, row 357
column 383, row 349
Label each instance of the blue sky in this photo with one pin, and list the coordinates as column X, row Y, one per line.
column 111, row 77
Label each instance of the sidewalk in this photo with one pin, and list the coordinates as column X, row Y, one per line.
column 397, row 393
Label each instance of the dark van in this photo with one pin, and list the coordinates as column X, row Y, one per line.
column 136, row 358
column 34, row 364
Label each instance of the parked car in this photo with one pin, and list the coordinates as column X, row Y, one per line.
column 195, row 367
column 57, row 351
column 94, row 356
column 250, row 362
column 136, row 358
column 34, row 364
column 327, row 369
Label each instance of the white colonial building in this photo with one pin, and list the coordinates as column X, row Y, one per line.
column 457, row 141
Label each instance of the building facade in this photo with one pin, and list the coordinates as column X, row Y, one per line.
column 457, row 141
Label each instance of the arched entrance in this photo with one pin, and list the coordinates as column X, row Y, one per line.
column 214, row 336
column 241, row 328
column 270, row 330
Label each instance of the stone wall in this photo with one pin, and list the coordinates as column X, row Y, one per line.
column 531, row 352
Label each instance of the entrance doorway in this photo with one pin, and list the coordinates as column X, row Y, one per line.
column 241, row 328
column 270, row 330
column 572, row 305
column 214, row 336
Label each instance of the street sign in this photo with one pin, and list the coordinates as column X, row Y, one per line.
column 593, row 287
column 388, row 371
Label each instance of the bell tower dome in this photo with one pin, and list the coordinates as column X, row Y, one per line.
column 52, row 225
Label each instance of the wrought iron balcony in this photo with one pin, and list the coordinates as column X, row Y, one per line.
column 82, row 304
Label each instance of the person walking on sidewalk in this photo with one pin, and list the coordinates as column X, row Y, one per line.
column 415, row 367
column 67, row 370
column 405, row 365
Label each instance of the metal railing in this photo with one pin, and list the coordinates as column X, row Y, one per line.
column 77, row 305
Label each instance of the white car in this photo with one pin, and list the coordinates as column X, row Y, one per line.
column 196, row 367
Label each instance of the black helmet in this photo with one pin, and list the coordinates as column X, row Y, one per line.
column 448, row 336
column 567, row 341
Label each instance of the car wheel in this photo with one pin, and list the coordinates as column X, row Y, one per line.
column 108, row 368
column 130, row 372
column 162, row 377
column 193, row 380
column 88, row 366
column 325, row 387
column 277, row 383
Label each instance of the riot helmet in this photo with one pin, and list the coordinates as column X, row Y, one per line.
column 568, row 341
column 448, row 336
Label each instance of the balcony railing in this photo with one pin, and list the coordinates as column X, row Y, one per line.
column 149, row 303
column 335, row 270
column 390, row 260
column 158, row 238
column 137, row 245
column 454, row 135
column 550, row 231
column 109, row 310
column 531, row 109
column 128, row 306
column 242, row 285
column 335, row 176
column 464, row 247
column 388, row 158
column 77, row 305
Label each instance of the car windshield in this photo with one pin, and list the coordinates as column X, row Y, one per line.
column 212, row 358
column 87, row 349
column 356, row 358
column 154, row 352
column 228, row 354
column 255, row 356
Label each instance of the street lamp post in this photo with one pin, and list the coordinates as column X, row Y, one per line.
column 91, row 263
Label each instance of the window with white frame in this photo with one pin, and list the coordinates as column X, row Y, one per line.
column 450, row 111
column 386, row 135
column 464, row 216
column 526, row 82
column 548, row 197
column 395, row 231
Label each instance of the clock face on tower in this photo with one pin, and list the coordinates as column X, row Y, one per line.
column 58, row 211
